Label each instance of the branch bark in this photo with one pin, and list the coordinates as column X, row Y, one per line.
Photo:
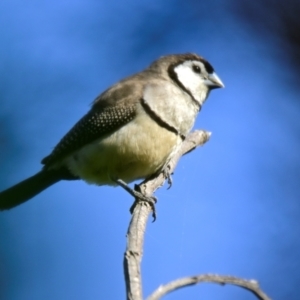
column 137, row 227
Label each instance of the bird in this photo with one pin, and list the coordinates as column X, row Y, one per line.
column 131, row 131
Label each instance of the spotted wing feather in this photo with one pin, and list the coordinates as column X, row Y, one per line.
column 95, row 124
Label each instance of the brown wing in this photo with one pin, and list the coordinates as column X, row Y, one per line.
column 111, row 110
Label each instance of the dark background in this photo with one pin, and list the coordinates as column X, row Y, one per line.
column 234, row 206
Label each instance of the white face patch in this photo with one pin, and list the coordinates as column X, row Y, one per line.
column 192, row 79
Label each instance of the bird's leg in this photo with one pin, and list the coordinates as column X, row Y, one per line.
column 137, row 194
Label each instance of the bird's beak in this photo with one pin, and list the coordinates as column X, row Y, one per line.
column 214, row 82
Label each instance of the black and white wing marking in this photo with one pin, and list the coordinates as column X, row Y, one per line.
column 97, row 123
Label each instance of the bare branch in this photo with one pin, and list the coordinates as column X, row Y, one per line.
column 135, row 238
column 140, row 215
column 250, row 285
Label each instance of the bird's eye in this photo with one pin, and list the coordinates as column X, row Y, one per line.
column 196, row 69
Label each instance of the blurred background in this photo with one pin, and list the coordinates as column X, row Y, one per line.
column 234, row 205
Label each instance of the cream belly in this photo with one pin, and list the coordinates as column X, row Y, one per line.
column 137, row 150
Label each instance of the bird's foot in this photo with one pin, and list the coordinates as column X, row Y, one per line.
column 137, row 194
column 167, row 175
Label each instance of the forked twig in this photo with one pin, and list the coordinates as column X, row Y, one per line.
column 135, row 238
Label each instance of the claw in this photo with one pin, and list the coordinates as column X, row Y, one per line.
column 137, row 194
column 168, row 176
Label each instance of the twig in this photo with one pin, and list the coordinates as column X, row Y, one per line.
column 250, row 285
column 140, row 215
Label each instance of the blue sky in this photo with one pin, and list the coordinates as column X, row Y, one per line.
column 234, row 204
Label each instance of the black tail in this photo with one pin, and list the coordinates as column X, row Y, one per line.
column 28, row 188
